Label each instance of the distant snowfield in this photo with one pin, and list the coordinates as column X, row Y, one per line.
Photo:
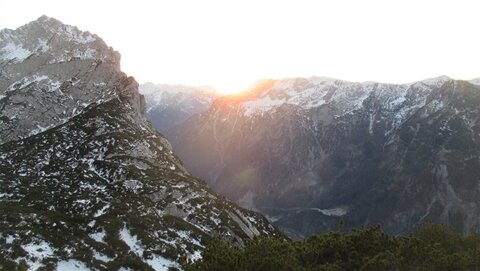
column 346, row 96
column 475, row 81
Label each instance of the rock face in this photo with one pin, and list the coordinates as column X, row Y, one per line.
column 307, row 152
column 170, row 105
column 49, row 72
column 85, row 180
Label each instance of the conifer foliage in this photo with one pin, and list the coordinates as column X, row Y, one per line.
column 429, row 247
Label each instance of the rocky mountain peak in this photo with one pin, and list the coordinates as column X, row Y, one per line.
column 49, row 37
column 50, row 72
column 85, row 180
column 434, row 82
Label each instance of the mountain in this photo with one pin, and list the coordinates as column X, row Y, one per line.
column 86, row 183
column 308, row 152
column 170, row 105
column 475, row 81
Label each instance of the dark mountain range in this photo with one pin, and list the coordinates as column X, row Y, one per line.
column 309, row 152
column 86, row 183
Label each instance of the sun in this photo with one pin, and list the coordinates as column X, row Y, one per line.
column 232, row 85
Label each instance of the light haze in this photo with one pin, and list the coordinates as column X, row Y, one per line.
column 231, row 44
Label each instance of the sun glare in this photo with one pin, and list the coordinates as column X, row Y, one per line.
column 232, row 86
column 213, row 42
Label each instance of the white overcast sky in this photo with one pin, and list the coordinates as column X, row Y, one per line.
column 231, row 44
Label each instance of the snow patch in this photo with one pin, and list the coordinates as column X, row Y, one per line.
column 102, row 211
column 186, row 236
column 14, row 52
column 98, row 236
column 101, row 257
column 10, row 239
column 397, row 101
column 197, row 255
column 338, row 211
column 131, row 241
column 179, row 185
column 5, row 195
column 72, row 265
column 89, row 53
column 133, row 185
column 37, row 252
column 47, row 85
column 73, row 34
column 155, row 261
column 38, row 130
column 159, row 263
column 261, row 106
column 42, row 45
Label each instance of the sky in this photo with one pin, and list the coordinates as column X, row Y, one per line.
column 231, row 44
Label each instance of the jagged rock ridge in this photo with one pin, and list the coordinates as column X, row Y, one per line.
column 308, row 152
column 85, row 180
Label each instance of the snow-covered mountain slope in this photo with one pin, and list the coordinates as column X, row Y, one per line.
column 475, row 81
column 86, row 183
column 309, row 151
column 344, row 96
column 170, row 105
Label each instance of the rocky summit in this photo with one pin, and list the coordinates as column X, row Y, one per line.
column 309, row 152
column 86, row 183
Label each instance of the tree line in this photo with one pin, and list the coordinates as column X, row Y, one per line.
column 429, row 247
